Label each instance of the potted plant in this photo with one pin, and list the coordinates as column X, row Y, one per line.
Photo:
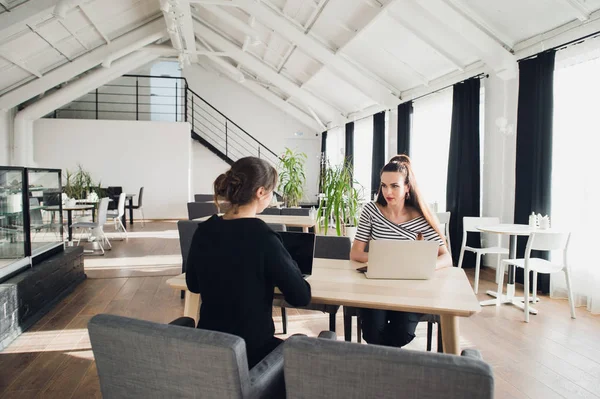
column 339, row 203
column 79, row 184
column 291, row 177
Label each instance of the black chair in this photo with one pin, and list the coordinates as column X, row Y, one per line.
column 52, row 197
column 113, row 193
column 203, row 197
column 139, row 206
column 328, row 247
column 186, row 228
column 198, row 210
column 271, row 211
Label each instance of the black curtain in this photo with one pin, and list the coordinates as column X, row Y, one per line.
column 463, row 183
column 350, row 144
column 323, row 159
column 534, row 147
column 378, row 159
column 405, row 111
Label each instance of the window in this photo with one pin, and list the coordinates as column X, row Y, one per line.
column 575, row 194
column 363, row 153
column 429, row 144
column 336, row 145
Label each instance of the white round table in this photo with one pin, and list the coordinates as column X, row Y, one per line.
column 512, row 230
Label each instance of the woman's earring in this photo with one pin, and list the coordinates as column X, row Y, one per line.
column 407, row 196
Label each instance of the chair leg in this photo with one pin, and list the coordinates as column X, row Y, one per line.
column 347, row 327
column 332, row 321
column 526, row 292
column 358, row 330
column 429, row 335
column 143, row 217
column 440, row 343
column 500, row 283
column 534, row 287
column 477, row 265
column 123, row 227
column 460, row 258
column 570, row 292
column 498, row 262
column 284, row 320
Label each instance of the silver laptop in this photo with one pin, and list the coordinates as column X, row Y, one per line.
column 402, row 259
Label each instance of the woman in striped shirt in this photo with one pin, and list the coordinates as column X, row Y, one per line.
column 400, row 213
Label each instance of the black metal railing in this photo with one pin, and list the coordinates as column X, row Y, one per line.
column 163, row 98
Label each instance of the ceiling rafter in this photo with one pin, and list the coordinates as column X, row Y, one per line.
column 94, row 23
column 424, row 39
column 32, row 28
column 82, row 64
column 275, row 100
column 30, row 12
column 12, row 58
column 266, row 72
column 65, row 25
column 582, row 13
column 462, row 7
column 361, row 81
column 491, row 51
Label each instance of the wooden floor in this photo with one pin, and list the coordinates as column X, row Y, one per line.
column 553, row 356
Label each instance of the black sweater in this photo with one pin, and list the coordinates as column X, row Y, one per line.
column 234, row 265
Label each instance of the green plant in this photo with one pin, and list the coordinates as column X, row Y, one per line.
column 79, row 183
column 291, row 176
column 340, row 200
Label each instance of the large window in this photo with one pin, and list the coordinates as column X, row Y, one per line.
column 429, row 144
column 575, row 192
column 363, row 152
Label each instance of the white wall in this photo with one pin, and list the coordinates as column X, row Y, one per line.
column 6, row 133
column 271, row 126
column 206, row 167
column 131, row 154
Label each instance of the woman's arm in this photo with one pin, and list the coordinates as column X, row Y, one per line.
column 444, row 259
column 357, row 253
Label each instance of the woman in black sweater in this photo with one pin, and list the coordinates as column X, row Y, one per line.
column 236, row 261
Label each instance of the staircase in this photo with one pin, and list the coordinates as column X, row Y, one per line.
column 158, row 98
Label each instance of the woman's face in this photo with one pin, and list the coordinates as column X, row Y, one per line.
column 393, row 188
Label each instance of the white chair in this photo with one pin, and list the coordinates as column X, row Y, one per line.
column 444, row 218
column 541, row 242
column 96, row 227
column 470, row 225
column 117, row 215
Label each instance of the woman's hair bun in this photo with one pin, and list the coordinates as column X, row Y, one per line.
column 402, row 158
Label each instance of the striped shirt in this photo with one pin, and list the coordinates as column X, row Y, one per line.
column 373, row 225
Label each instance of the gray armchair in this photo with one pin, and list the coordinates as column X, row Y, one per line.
column 142, row 359
column 316, row 369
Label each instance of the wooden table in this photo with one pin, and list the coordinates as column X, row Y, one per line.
column 290, row 221
column 69, row 210
column 336, row 282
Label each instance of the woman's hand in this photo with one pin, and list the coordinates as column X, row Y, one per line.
column 357, row 253
column 444, row 259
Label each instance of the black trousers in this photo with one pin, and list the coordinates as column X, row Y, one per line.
column 385, row 327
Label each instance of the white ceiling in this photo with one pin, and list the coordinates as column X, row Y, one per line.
column 333, row 59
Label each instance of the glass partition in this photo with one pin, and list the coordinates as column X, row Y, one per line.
column 14, row 250
column 45, row 209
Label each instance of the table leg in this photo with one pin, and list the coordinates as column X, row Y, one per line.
column 94, row 213
column 130, row 211
column 510, row 297
column 450, row 334
column 69, row 223
column 192, row 305
column 305, row 229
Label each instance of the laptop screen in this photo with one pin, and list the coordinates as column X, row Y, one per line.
column 301, row 247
